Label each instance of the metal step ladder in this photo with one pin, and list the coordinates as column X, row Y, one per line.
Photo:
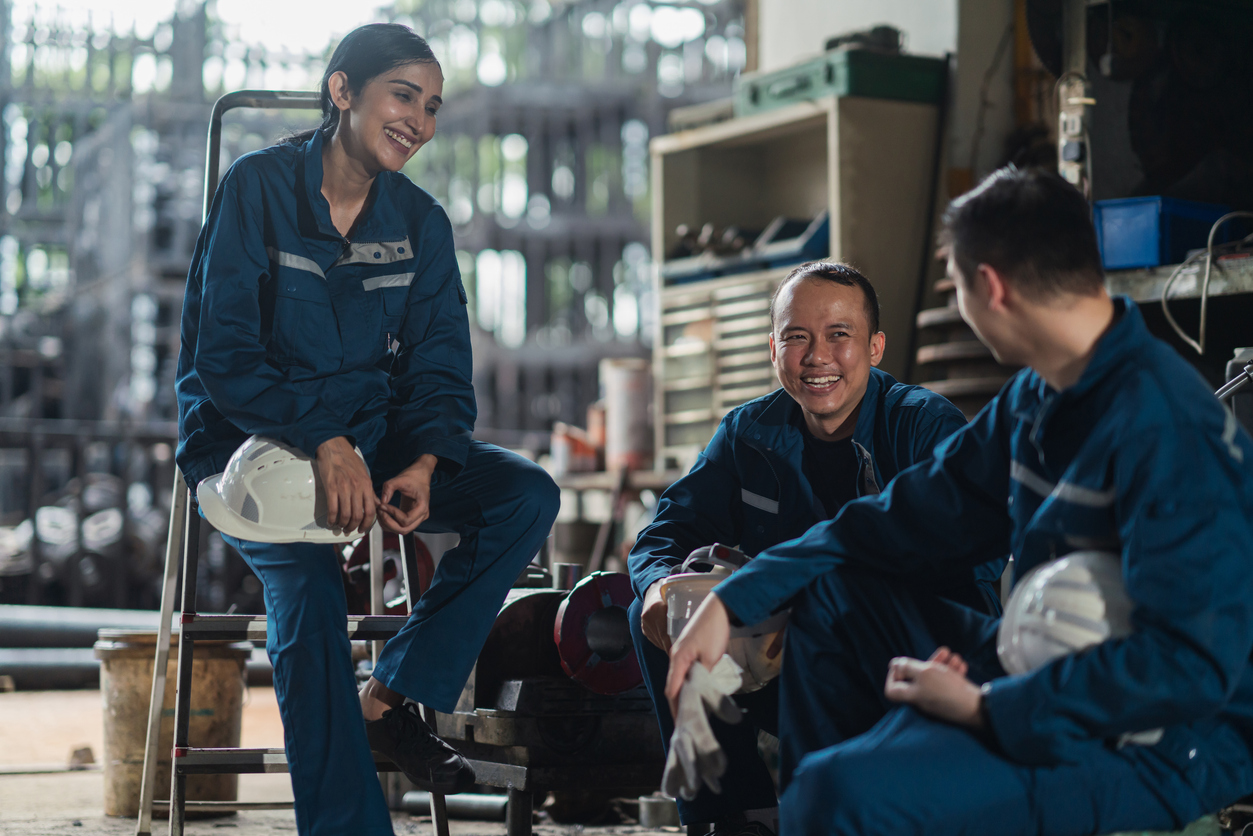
column 189, row 760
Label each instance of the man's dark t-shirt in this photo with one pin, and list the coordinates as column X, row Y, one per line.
column 831, row 468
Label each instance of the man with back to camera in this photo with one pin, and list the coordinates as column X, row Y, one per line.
column 838, row 429
column 1108, row 440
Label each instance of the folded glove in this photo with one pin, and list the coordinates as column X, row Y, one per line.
column 695, row 756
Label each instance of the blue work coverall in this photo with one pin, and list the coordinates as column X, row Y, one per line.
column 291, row 331
column 1137, row 457
column 748, row 488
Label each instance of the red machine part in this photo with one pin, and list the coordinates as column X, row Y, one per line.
column 593, row 635
column 357, row 575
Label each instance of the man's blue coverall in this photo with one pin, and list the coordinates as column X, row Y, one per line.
column 1137, row 457
column 748, row 488
column 292, row 332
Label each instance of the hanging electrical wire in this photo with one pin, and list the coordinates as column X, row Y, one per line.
column 1198, row 345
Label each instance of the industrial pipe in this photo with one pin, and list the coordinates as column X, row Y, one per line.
column 62, row 668
column 23, row 626
column 462, row 805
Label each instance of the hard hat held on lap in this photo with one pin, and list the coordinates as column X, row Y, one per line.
column 1062, row 607
column 750, row 645
column 269, row 493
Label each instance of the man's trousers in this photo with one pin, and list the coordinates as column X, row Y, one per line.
column 853, row 763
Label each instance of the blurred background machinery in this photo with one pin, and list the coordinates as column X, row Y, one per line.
column 541, row 159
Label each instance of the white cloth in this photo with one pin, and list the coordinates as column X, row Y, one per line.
column 695, row 756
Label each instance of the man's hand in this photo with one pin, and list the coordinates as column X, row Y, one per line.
column 414, row 486
column 350, row 500
column 695, row 756
column 703, row 640
column 653, row 617
column 937, row 687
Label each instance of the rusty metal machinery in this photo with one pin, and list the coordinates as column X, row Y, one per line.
column 556, row 700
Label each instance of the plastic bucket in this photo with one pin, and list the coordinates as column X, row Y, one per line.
column 626, row 383
column 217, row 696
column 748, row 646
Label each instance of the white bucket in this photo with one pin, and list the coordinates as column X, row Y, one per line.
column 683, row 595
column 626, row 384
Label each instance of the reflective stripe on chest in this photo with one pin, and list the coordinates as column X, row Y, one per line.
column 770, row 506
column 1065, row 491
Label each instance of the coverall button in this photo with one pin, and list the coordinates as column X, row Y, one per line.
column 378, row 255
column 1191, row 754
column 400, row 249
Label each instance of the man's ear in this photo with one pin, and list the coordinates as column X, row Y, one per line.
column 341, row 95
column 877, row 343
column 993, row 287
column 772, row 349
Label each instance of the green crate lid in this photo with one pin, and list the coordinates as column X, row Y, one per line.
column 843, row 72
column 910, row 78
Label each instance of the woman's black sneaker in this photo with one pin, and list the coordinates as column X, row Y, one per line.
column 427, row 761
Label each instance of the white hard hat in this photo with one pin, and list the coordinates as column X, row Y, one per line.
column 1062, row 607
column 748, row 646
column 269, row 493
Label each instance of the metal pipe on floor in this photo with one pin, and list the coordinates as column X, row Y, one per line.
column 467, row 805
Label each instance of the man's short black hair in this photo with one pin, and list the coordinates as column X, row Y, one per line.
column 1031, row 226
column 833, row 271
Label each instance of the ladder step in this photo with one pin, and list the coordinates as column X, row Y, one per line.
column 222, row 806
column 194, row 761
column 252, row 627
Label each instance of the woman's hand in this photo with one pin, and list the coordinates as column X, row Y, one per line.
column 350, row 500
column 414, row 486
column 703, row 640
column 937, row 687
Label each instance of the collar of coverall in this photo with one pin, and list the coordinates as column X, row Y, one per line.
column 1127, row 334
column 381, row 223
column 776, row 426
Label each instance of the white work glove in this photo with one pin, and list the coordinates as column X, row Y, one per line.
column 695, row 755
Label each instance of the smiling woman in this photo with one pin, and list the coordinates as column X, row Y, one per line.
column 325, row 319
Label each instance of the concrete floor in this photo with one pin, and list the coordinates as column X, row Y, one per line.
column 43, row 728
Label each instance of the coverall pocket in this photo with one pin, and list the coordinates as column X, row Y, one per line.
column 1211, row 758
column 305, row 331
column 394, row 302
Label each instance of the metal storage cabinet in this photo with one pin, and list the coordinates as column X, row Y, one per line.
column 867, row 161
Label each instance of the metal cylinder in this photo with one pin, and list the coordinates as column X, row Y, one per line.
column 658, row 811
column 567, row 575
column 459, row 806
column 217, row 695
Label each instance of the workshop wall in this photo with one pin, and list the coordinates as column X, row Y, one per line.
column 979, row 32
column 794, row 29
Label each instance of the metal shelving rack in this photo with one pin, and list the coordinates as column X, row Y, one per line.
column 866, row 161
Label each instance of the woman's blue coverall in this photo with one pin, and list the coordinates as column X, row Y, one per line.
column 292, row 332
column 1136, row 457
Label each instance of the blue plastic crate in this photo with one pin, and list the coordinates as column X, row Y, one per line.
column 1150, row 231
